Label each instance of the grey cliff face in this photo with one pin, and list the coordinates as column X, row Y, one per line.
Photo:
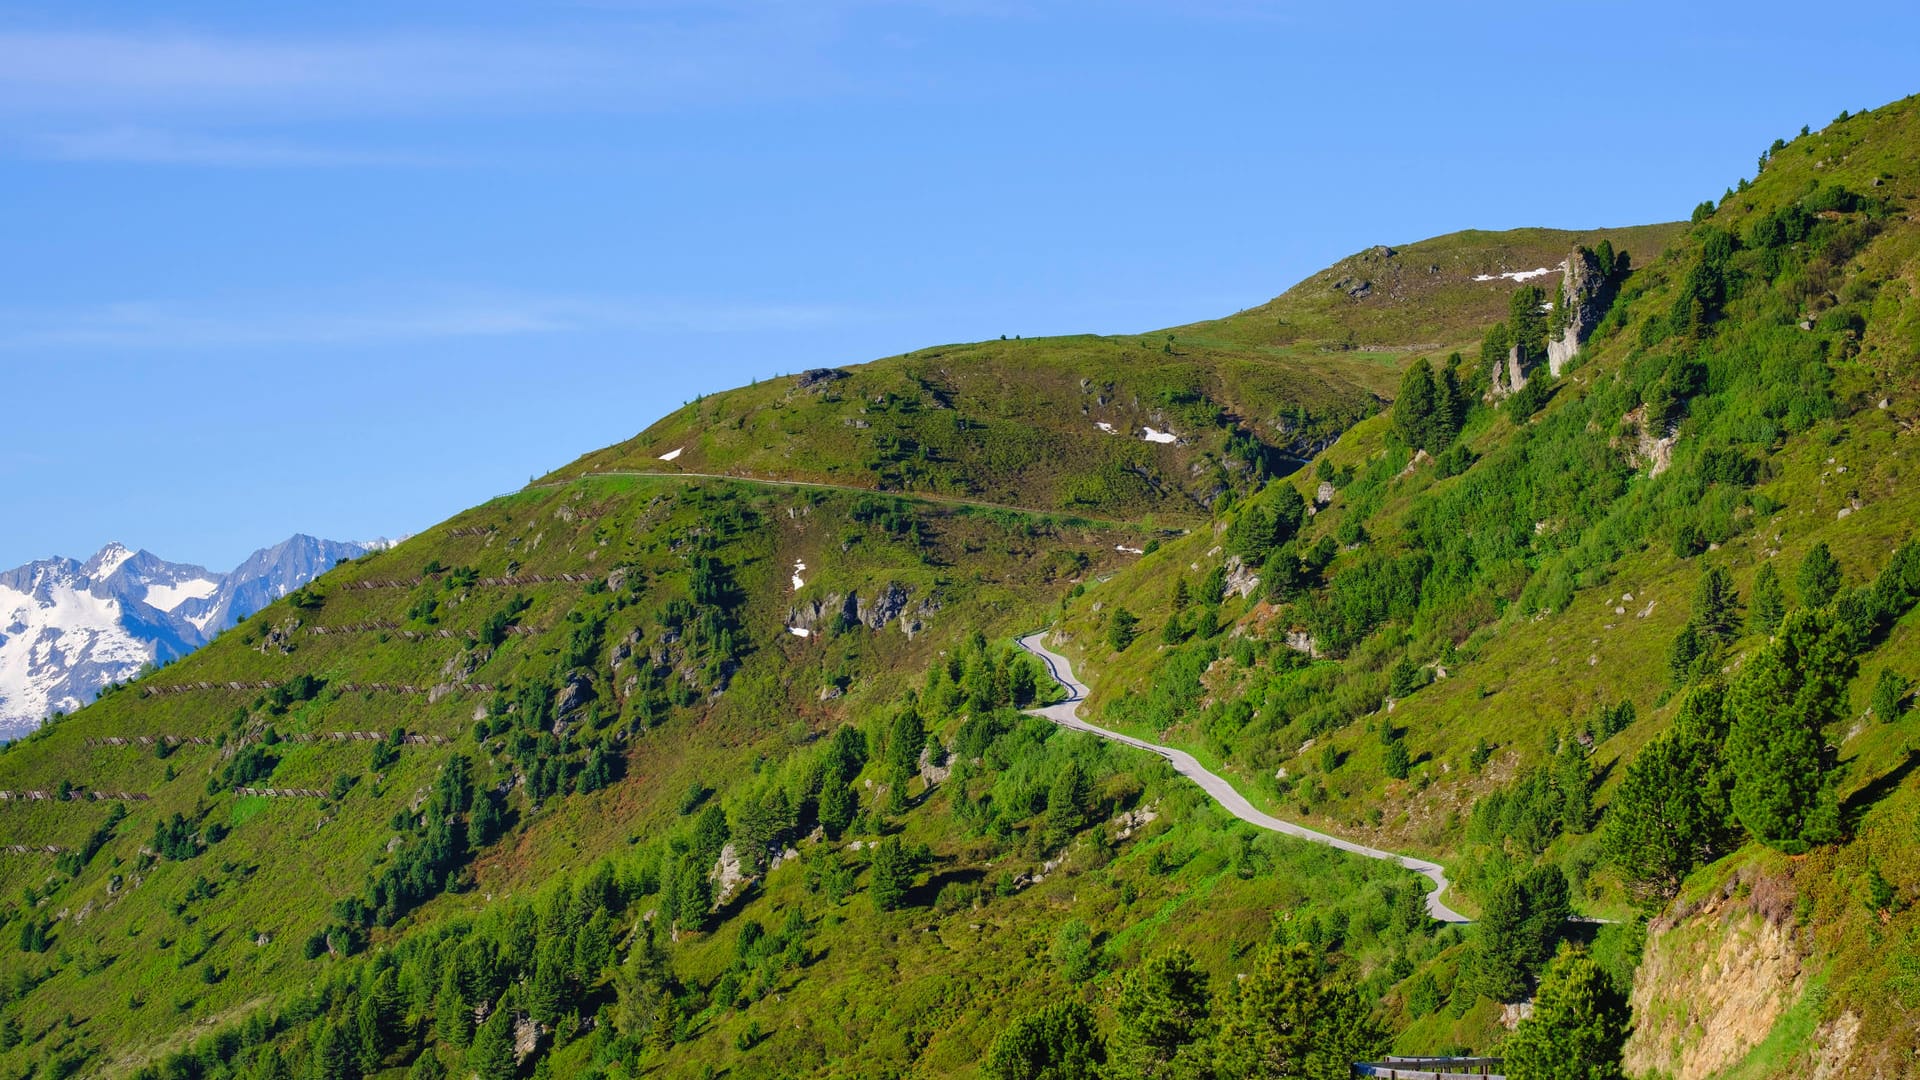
column 1583, row 290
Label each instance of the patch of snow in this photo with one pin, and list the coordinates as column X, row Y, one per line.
column 1151, row 435
column 168, row 597
column 798, row 584
column 109, row 559
column 1125, row 550
column 799, row 631
column 54, row 634
column 1520, row 275
column 1106, row 427
column 671, row 454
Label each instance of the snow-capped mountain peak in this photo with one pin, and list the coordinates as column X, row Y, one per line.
column 68, row 628
column 107, row 560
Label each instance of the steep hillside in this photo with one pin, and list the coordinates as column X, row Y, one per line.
column 1473, row 636
column 684, row 701
column 705, row 753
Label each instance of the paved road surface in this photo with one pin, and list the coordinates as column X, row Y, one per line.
column 1067, row 714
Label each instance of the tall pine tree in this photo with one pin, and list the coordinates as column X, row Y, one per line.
column 1769, row 600
column 1163, row 1013
column 1673, row 810
column 1416, row 405
column 1288, row 1018
column 1578, row 1027
column 1819, row 577
column 1778, row 712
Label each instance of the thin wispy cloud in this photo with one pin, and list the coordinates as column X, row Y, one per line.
column 168, row 326
column 159, row 146
column 647, row 64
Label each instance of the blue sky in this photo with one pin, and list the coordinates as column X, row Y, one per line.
column 347, row 268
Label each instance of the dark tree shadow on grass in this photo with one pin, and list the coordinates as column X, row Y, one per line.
column 1877, row 789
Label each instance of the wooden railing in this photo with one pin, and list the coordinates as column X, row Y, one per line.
column 1431, row 1068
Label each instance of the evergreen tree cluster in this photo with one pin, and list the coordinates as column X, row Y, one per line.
column 1429, row 410
column 1523, row 921
column 1291, row 1016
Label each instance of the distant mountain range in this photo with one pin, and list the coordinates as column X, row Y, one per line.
column 68, row 628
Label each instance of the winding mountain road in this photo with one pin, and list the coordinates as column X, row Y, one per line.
column 1067, row 715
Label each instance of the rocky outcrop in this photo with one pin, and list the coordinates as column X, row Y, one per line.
column 818, row 378
column 1584, row 292
column 1716, row 978
column 883, row 608
column 1509, row 375
column 1241, row 579
column 526, row 1038
column 914, row 621
column 817, row 614
column 572, row 697
column 1643, row 445
column 873, row 611
column 278, row 638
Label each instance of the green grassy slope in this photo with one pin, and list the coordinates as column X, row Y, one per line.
column 1018, row 422
column 595, row 648
column 1536, row 576
column 132, row 936
column 1422, row 296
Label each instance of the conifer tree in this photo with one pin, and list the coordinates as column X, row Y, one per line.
column 1523, row 920
column 890, row 875
column 1716, row 604
column 664, row 1031
column 690, row 895
column 838, row 805
column 1778, row 711
column 1060, row 1042
column 1548, row 906
column 333, row 1053
column 1603, row 254
column 1450, row 407
column 492, row 1056
column 710, row 833
column 1527, row 323
column 1769, row 600
column 1415, row 406
column 1889, row 694
column 1573, row 776
column 1578, row 1026
column 1683, row 654
column 1395, row 762
column 487, row 821
column 1163, row 1013
column 1819, row 577
column 1288, row 1019
column 1068, row 802
column 1494, row 346
column 905, row 740
column 368, row 1037
column 1673, row 810
column 427, row 1066
column 452, row 1013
